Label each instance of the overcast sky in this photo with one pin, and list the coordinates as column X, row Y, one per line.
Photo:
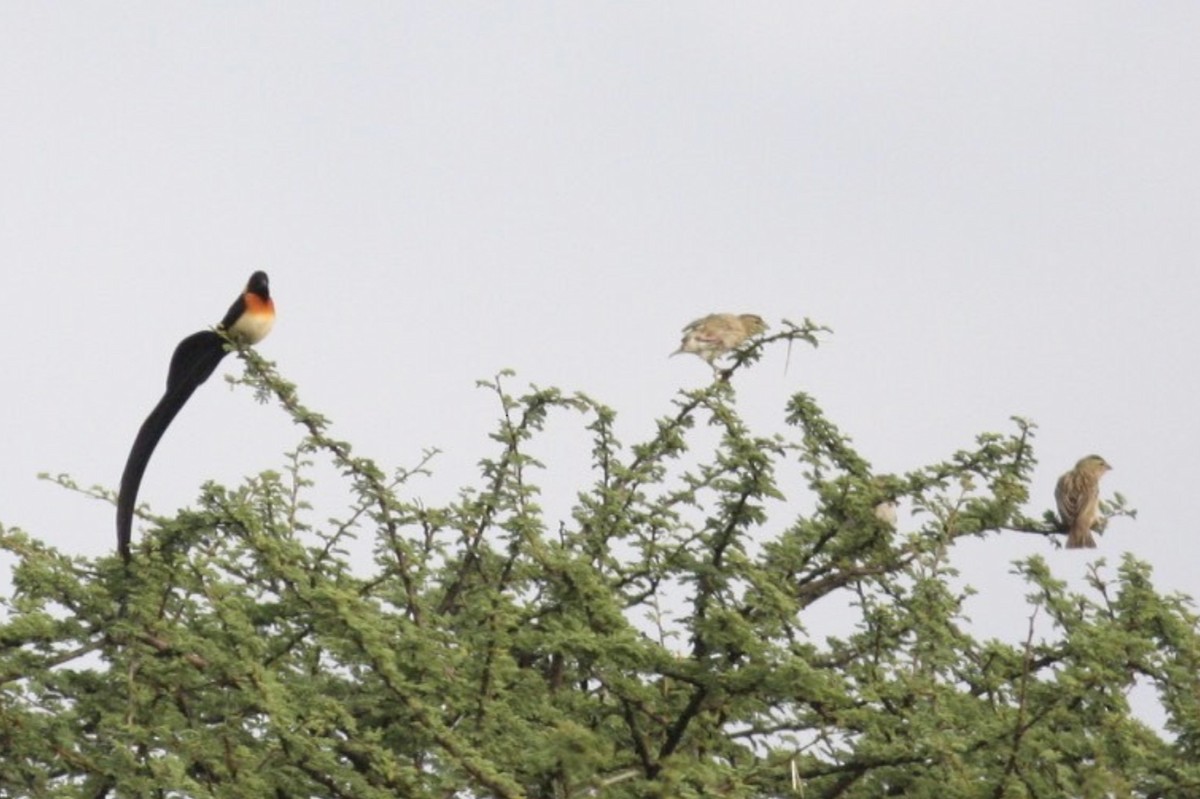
column 994, row 206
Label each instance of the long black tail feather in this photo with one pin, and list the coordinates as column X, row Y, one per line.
column 194, row 361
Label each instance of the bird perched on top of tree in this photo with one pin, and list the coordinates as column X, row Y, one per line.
column 248, row 320
column 1078, row 498
column 714, row 335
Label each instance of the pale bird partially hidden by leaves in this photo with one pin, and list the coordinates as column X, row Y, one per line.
column 886, row 512
column 1078, row 498
column 717, row 334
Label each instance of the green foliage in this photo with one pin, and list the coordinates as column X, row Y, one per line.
column 651, row 645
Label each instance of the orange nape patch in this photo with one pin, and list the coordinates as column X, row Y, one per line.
column 259, row 305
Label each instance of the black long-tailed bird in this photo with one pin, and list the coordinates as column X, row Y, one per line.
column 248, row 321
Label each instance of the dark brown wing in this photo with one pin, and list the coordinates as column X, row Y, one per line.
column 234, row 313
column 1072, row 495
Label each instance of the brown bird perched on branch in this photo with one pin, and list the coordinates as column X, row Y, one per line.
column 714, row 335
column 1078, row 498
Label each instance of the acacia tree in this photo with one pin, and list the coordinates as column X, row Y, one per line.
column 651, row 645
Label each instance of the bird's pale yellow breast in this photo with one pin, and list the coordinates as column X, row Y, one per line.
column 257, row 321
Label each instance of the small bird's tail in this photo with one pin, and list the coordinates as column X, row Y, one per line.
column 1080, row 536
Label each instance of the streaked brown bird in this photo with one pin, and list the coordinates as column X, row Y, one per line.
column 714, row 335
column 1078, row 498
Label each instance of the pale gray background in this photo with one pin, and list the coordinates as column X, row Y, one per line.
column 994, row 205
